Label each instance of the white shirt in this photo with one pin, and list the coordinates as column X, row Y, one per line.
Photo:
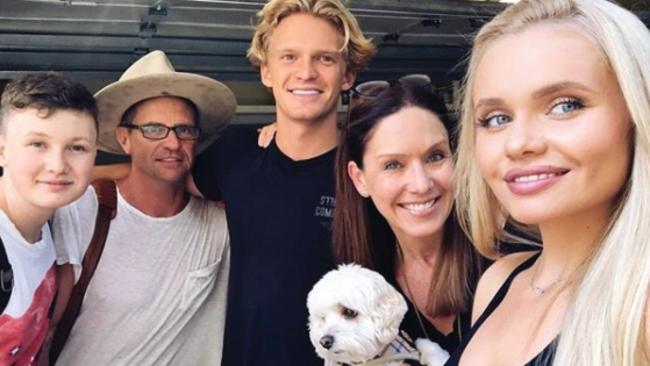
column 158, row 295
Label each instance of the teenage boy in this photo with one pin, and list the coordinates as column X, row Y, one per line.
column 279, row 200
column 48, row 133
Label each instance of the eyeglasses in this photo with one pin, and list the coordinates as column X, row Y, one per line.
column 158, row 131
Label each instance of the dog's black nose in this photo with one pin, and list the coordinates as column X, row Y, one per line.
column 327, row 341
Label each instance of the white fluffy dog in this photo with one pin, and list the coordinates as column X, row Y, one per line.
column 354, row 315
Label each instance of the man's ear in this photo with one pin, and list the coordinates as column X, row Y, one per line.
column 265, row 75
column 348, row 80
column 358, row 179
column 122, row 135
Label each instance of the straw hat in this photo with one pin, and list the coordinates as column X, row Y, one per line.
column 154, row 76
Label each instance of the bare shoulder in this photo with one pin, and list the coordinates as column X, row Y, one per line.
column 493, row 278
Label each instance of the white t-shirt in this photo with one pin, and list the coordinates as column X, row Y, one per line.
column 25, row 321
column 158, row 295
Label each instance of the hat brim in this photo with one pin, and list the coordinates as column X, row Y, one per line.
column 215, row 103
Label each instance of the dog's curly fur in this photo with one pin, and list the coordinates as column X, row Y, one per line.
column 354, row 313
column 358, row 310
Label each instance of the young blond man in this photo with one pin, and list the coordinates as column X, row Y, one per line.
column 280, row 200
column 48, row 137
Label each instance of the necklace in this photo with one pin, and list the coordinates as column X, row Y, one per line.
column 569, row 276
column 541, row 290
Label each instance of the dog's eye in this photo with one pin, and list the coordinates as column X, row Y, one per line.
column 349, row 313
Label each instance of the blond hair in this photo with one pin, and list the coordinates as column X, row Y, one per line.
column 357, row 49
column 605, row 321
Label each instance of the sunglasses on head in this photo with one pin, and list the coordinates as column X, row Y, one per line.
column 373, row 88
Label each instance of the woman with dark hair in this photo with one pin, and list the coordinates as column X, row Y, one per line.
column 394, row 201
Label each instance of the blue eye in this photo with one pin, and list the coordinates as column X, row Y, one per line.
column 436, row 156
column 392, row 165
column 494, row 121
column 566, row 106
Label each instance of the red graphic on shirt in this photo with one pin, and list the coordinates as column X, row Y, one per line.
column 21, row 338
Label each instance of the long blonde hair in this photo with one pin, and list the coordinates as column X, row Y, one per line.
column 605, row 322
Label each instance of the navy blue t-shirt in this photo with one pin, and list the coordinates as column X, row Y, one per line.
column 280, row 216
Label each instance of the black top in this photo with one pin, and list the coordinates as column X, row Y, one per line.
column 280, row 217
column 411, row 325
column 545, row 357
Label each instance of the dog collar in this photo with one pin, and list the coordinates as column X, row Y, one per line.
column 401, row 348
column 394, row 357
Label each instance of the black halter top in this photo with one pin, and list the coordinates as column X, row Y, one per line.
column 544, row 358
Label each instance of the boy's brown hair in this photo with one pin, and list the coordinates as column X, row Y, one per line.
column 47, row 92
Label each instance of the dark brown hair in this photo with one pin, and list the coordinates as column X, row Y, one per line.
column 132, row 111
column 49, row 92
column 362, row 235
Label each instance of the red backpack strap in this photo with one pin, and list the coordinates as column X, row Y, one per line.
column 107, row 197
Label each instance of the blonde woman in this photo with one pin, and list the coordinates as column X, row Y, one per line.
column 556, row 133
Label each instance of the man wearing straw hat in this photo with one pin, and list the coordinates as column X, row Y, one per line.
column 157, row 296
